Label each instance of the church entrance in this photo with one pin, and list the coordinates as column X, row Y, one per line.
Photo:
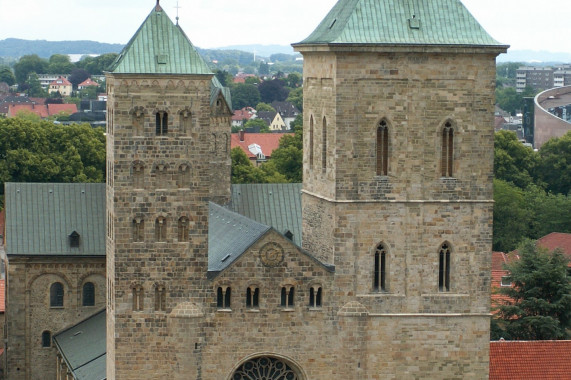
column 266, row 368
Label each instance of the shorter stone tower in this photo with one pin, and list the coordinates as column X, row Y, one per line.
column 167, row 156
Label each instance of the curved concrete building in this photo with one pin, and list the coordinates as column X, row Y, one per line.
column 548, row 125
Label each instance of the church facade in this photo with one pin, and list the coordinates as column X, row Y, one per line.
column 392, row 277
column 376, row 267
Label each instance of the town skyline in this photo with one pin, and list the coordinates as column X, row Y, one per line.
column 520, row 24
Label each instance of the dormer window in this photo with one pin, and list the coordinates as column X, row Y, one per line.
column 74, row 239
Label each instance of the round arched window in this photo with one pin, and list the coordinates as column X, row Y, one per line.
column 265, row 368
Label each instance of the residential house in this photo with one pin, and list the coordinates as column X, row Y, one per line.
column 287, row 111
column 278, row 124
column 87, row 83
column 62, row 86
column 257, row 146
column 241, row 117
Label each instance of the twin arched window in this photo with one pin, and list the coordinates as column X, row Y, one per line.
column 161, row 123
column 223, row 297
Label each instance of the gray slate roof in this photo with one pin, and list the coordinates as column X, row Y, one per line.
column 408, row 22
column 229, row 235
column 83, row 347
column 41, row 216
column 273, row 204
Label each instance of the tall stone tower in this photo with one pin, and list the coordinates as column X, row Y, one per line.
column 167, row 156
column 397, row 192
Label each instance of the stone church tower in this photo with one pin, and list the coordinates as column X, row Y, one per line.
column 397, row 192
column 167, row 156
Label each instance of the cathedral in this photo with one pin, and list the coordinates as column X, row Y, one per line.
column 377, row 266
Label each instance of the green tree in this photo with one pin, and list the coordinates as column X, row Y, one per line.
column 260, row 107
column 258, row 123
column 514, row 162
column 252, row 80
column 60, row 64
column 288, row 157
column 272, row 90
column 7, row 76
column 44, row 152
column 34, row 86
column 97, row 65
column 555, row 164
column 224, row 77
column 28, row 64
column 77, row 76
column 244, row 95
column 293, row 80
column 548, row 212
column 541, row 294
column 263, row 69
column 511, row 216
column 295, row 97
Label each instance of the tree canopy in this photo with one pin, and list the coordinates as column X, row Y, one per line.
column 6, row 75
column 244, row 95
column 28, row 64
column 540, row 306
column 45, row 152
column 272, row 90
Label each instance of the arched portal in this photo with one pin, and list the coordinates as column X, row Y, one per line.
column 266, row 368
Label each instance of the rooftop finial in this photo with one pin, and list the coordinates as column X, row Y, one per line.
column 177, row 8
column 158, row 7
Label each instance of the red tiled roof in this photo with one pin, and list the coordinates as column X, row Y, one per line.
column 40, row 110
column 88, row 82
column 530, row 360
column 2, row 296
column 54, row 109
column 64, row 82
column 243, row 114
column 498, row 260
column 267, row 141
column 557, row 240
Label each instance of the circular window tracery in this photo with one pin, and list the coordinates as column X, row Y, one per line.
column 265, row 368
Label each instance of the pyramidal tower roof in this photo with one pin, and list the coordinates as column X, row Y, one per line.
column 400, row 22
column 159, row 47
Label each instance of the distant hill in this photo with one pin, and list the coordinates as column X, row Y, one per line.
column 531, row 56
column 260, row 50
column 14, row 47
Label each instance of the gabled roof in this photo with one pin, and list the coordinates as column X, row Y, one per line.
column 60, row 81
column 216, row 89
column 408, row 22
column 159, row 47
column 40, row 110
column 267, row 141
column 276, row 205
column 54, row 109
column 88, row 82
column 229, row 235
column 557, row 240
column 530, row 360
column 83, row 347
column 285, row 109
column 41, row 216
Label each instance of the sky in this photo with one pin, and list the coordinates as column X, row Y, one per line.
column 523, row 24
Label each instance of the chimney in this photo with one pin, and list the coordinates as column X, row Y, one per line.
column 241, row 134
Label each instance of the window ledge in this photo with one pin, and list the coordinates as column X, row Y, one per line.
column 315, row 308
column 252, row 310
column 288, row 310
column 224, row 310
column 445, row 294
column 57, row 307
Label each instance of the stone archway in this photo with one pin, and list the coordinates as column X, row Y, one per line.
column 266, row 368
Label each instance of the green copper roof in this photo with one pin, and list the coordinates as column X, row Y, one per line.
column 159, row 47
column 411, row 22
